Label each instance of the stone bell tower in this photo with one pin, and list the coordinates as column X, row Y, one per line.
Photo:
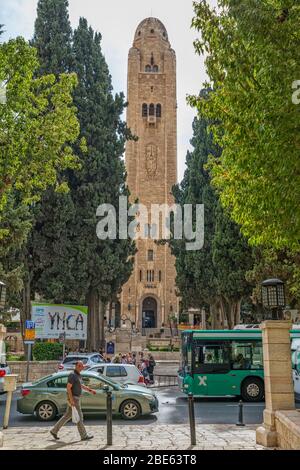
column 149, row 297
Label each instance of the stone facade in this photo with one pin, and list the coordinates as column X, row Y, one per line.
column 37, row 369
column 279, row 390
column 149, row 297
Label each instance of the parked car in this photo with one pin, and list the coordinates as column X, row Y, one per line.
column 88, row 360
column 120, row 373
column 46, row 398
column 4, row 369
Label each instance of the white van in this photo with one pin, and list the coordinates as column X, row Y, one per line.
column 126, row 374
column 4, row 369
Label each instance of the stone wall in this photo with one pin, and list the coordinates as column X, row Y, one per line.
column 287, row 424
column 36, row 369
column 165, row 356
column 41, row 369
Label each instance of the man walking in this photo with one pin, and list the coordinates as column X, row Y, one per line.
column 74, row 391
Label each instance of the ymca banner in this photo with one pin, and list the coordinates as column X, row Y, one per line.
column 52, row 321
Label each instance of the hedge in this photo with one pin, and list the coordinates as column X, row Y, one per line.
column 47, row 351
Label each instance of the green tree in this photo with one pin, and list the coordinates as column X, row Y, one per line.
column 256, row 122
column 272, row 263
column 47, row 256
column 53, row 37
column 215, row 275
column 102, row 267
column 38, row 124
column 68, row 262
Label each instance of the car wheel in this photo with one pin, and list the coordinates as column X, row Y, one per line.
column 46, row 411
column 130, row 410
column 253, row 389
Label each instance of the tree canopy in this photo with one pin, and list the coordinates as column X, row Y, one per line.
column 252, row 59
column 37, row 125
column 214, row 276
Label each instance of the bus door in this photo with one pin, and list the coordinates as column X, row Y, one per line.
column 211, row 369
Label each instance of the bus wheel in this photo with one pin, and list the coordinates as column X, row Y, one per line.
column 253, row 389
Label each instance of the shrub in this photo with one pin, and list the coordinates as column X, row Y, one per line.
column 47, row 351
column 15, row 358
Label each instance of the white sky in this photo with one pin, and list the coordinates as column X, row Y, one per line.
column 117, row 21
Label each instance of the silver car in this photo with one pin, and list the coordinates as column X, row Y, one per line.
column 88, row 360
column 120, row 373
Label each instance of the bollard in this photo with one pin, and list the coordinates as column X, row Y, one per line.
column 241, row 414
column 192, row 419
column 109, row 416
column 10, row 385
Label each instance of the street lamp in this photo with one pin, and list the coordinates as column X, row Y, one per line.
column 2, row 295
column 132, row 326
column 273, row 295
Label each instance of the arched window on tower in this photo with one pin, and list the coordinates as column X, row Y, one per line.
column 155, row 68
column 145, row 110
column 151, row 109
column 158, row 110
column 148, row 68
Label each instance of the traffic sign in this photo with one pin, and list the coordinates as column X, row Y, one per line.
column 29, row 335
column 110, row 348
column 29, row 325
column 62, row 338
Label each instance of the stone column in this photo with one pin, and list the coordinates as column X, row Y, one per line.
column 279, row 389
column 2, row 336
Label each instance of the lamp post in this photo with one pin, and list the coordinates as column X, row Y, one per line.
column 2, row 295
column 132, row 325
column 273, row 296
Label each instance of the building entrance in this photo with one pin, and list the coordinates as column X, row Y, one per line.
column 149, row 313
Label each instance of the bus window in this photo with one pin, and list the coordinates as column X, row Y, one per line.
column 246, row 355
column 186, row 354
column 211, row 358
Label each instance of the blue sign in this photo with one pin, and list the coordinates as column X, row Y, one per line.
column 110, row 348
column 29, row 325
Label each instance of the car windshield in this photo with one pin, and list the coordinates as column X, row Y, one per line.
column 73, row 359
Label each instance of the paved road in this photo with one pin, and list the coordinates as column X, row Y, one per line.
column 173, row 410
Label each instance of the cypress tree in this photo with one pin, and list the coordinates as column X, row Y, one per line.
column 49, row 248
column 53, row 36
column 102, row 266
column 69, row 263
column 215, row 275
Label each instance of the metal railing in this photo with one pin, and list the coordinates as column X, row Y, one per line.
column 165, row 381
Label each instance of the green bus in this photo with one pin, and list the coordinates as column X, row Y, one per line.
column 224, row 363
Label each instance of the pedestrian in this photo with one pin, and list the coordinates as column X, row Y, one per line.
column 117, row 359
column 134, row 359
column 141, row 357
column 74, row 391
column 124, row 359
column 144, row 370
column 151, row 365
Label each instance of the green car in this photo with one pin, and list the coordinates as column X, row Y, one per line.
column 47, row 397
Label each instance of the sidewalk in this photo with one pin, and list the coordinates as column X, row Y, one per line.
column 134, row 437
